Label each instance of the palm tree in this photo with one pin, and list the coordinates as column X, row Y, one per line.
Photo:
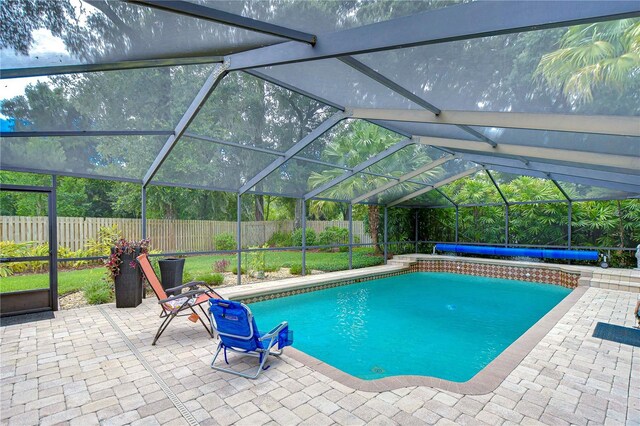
column 603, row 54
column 358, row 142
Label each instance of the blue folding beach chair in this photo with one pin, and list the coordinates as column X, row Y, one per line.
column 238, row 332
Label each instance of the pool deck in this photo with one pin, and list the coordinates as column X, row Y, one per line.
column 96, row 365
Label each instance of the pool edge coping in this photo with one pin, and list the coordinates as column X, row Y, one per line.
column 485, row 381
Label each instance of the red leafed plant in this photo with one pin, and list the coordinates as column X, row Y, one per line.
column 121, row 247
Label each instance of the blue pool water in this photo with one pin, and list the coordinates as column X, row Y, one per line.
column 431, row 324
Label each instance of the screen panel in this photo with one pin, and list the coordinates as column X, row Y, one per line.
column 474, row 189
column 247, row 110
column 98, row 32
column 537, row 71
column 140, row 99
column 126, row 157
column 206, row 164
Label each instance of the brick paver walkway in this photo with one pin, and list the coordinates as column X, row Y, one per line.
column 97, row 365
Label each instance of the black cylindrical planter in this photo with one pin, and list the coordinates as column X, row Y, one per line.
column 128, row 283
column 171, row 273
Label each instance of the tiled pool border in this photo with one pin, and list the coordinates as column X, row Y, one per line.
column 511, row 271
column 545, row 275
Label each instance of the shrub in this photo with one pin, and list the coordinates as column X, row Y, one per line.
column 234, row 270
column 333, row 235
column 221, row 265
column 256, row 260
column 211, row 278
column 107, row 236
column 280, row 239
column 296, row 237
column 295, row 269
column 225, row 242
column 98, row 292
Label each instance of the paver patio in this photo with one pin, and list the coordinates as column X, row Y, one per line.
column 96, row 365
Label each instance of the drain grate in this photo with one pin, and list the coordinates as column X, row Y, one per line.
column 167, row 390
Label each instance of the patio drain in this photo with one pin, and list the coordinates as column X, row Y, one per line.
column 188, row 416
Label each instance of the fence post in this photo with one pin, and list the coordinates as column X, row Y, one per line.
column 304, row 237
column 238, row 237
column 350, row 236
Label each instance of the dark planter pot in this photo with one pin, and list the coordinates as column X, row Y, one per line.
column 171, row 273
column 128, row 283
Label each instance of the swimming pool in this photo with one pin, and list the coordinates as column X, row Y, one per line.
column 448, row 326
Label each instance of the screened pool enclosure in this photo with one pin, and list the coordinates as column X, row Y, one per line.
column 398, row 104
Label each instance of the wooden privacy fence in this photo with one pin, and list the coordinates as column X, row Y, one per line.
column 166, row 235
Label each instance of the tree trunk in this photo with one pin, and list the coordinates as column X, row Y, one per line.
column 374, row 224
column 297, row 222
column 259, row 208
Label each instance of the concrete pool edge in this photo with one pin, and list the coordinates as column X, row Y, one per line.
column 487, row 380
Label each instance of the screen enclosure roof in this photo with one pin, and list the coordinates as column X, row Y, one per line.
column 396, row 103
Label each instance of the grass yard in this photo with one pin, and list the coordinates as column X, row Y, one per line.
column 73, row 280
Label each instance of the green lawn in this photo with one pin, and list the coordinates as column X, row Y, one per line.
column 72, row 280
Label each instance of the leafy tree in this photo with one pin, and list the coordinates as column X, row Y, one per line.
column 358, row 142
column 603, row 54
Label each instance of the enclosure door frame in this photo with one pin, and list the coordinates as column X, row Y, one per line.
column 31, row 301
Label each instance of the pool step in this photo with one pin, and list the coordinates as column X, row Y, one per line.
column 401, row 260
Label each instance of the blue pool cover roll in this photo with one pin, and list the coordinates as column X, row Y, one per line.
column 526, row 252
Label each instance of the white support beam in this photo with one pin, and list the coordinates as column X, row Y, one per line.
column 198, row 102
column 291, row 152
column 459, row 22
column 404, row 178
column 579, row 157
column 602, row 124
column 544, row 167
column 615, row 186
column 434, row 186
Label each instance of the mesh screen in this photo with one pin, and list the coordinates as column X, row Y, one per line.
column 338, row 83
column 444, row 171
column 606, row 144
column 508, row 72
column 295, row 178
column 582, row 192
column 355, row 186
column 141, row 99
column 102, row 156
column 406, row 160
column 437, row 224
column 199, row 163
column 481, row 224
column 474, row 189
column 538, row 224
column 319, row 17
column 250, row 111
column 431, row 198
column 101, row 32
column 350, row 143
column 526, row 188
column 396, row 192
